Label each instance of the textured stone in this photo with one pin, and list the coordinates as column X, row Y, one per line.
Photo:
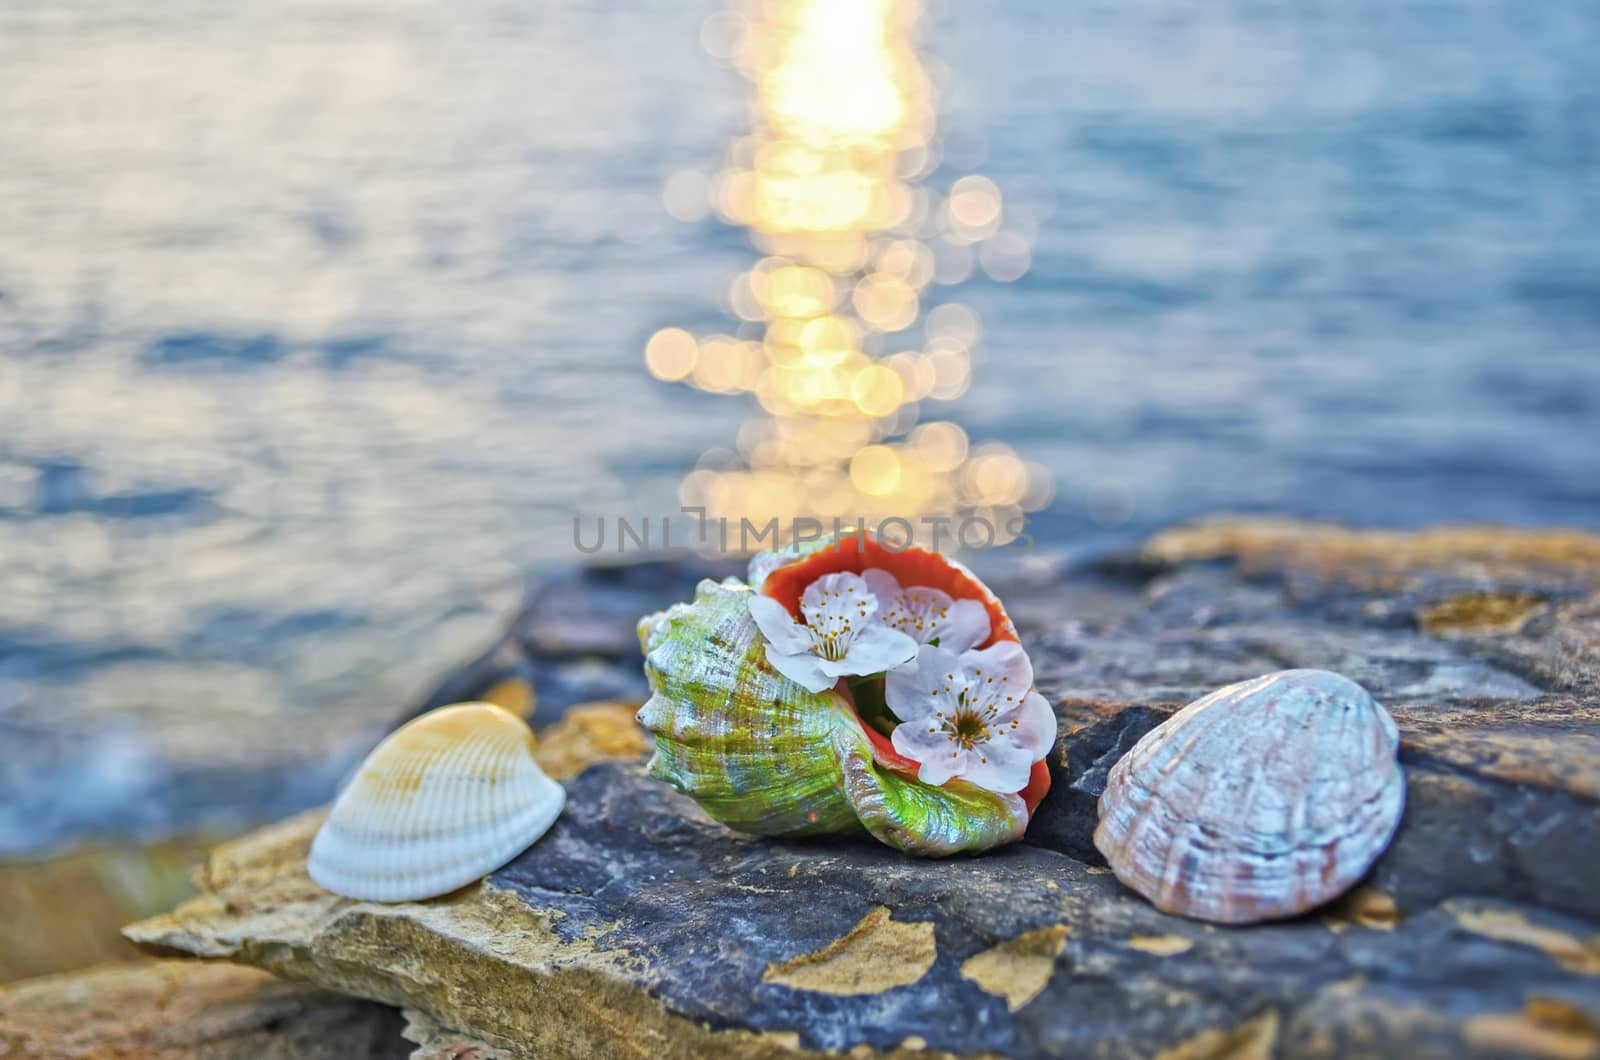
column 638, row 927
column 181, row 1009
column 441, row 1043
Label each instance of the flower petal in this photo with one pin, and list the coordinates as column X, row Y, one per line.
column 1035, row 730
column 805, row 670
column 1000, row 677
column 778, row 626
column 905, row 695
column 878, row 649
column 918, row 693
column 835, row 602
column 966, row 627
column 882, row 585
column 920, row 611
column 923, row 740
column 997, row 765
column 837, row 668
column 939, row 768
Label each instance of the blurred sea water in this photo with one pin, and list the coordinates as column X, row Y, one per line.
column 320, row 321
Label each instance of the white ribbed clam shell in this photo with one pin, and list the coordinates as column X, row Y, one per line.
column 443, row 800
column 1261, row 800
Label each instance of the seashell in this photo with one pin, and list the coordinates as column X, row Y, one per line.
column 443, row 800
column 763, row 755
column 1261, row 800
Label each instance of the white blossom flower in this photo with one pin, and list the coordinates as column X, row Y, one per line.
column 926, row 614
column 840, row 636
column 974, row 716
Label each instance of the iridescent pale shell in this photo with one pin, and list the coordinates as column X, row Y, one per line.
column 1259, row 801
column 443, row 800
column 762, row 755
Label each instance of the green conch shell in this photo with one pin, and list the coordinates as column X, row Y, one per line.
column 762, row 755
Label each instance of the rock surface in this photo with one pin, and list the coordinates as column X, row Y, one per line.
column 638, row 927
column 181, row 1009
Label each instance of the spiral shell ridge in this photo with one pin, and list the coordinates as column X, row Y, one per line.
column 762, row 755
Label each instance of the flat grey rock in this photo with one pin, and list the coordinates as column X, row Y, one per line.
column 638, row 927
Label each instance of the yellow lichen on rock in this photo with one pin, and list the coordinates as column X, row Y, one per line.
column 1544, row 1027
column 1480, row 612
column 1254, row 1039
column 1366, row 907
column 1264, row 542
column 1520, row 570
column 879, row 953
column 1574, row 954
column 514, row 694
column 589, row 733
column 1020, row 968
column 1161, row 945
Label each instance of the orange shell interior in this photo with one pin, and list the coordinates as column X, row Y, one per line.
column 910, row 566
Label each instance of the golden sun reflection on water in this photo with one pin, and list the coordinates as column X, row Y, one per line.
column 830, row 183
